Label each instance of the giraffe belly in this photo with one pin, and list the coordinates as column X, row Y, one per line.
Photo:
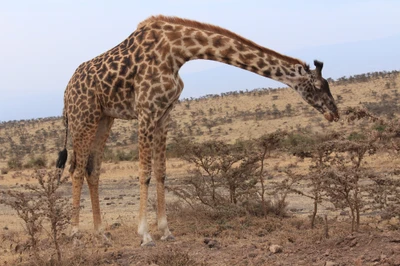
column 121, row 111
column 118, row 103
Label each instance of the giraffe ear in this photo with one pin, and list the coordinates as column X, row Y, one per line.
column 319, row 65
column 300, row 70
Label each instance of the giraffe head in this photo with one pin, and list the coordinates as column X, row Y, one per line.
column 315, row 91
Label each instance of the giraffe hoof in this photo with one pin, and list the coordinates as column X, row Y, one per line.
column 76, row 243
column 106, row 236
column 106, row 239
column 148, row 244
column 168, row 238
column 76, row 235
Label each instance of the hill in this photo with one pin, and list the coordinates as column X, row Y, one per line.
column 268, row 202
column 228, row 117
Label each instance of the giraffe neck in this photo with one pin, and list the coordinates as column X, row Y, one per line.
column 190, row 40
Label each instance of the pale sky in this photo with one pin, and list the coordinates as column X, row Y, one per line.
column 43, row 41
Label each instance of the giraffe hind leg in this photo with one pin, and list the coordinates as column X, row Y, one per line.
column 82, row 140
column 90, row 165
column 93, row 167
column 78, row 173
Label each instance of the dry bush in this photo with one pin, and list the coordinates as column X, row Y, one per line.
column 231, row 177
column 383, row 190
column 384, row 195
column 305, row 144
column 264, row 146
column 120, row 155
column 341, row 180
column 281, row 189
column 277, row 207
column 4, row 171
column 39, row 161
column 172, row 257
column 337, row 173
column 29, row 211
column 14, row 163
column 223, row 173
column 336, row 170
column 39, row 205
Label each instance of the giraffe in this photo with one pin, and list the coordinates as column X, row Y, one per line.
column 138, row 79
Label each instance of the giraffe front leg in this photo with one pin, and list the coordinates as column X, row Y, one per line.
column 146, row 133
column 161, row 211
column 159, row 156
column 143, row 228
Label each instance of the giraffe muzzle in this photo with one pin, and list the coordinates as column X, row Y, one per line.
column 331, row 116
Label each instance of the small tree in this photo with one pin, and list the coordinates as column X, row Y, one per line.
column 223, row 173
column 266, row 144
column 15, row 163
column 56, row 208
column 38, row 203
column 28, row 209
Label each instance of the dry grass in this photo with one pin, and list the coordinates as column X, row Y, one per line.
column 205, row 238
column 232, row 237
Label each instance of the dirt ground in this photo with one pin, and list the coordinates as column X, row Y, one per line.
column 372, row 248
column 204, row 238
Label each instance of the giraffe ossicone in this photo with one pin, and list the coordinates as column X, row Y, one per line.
column 138, row 79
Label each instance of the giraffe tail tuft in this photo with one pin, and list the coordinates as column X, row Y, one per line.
column 62, row 159
column 63, row 155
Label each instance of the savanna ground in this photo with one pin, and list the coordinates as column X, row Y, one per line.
column 215, row 236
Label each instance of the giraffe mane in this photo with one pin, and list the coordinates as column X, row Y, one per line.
column 225, row 32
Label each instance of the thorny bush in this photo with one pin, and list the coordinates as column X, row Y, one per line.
column 39, row 205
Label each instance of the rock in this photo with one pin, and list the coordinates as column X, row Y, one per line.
column 353, row 243
column 350, row 237
column 211, row 243
column 207, row 240
column 376, row 259
column 275, row 249
column 331, row 263
column 115, row 225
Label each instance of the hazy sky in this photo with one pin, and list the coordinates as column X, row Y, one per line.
column 42, row 41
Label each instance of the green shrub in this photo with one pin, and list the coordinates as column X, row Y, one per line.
column 130, row 155
column 356, row 136
column 14, row 163
column 39, row 161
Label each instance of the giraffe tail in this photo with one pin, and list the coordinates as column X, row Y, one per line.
column 63, row 155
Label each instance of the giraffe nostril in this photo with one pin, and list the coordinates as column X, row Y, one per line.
column 329, row 116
